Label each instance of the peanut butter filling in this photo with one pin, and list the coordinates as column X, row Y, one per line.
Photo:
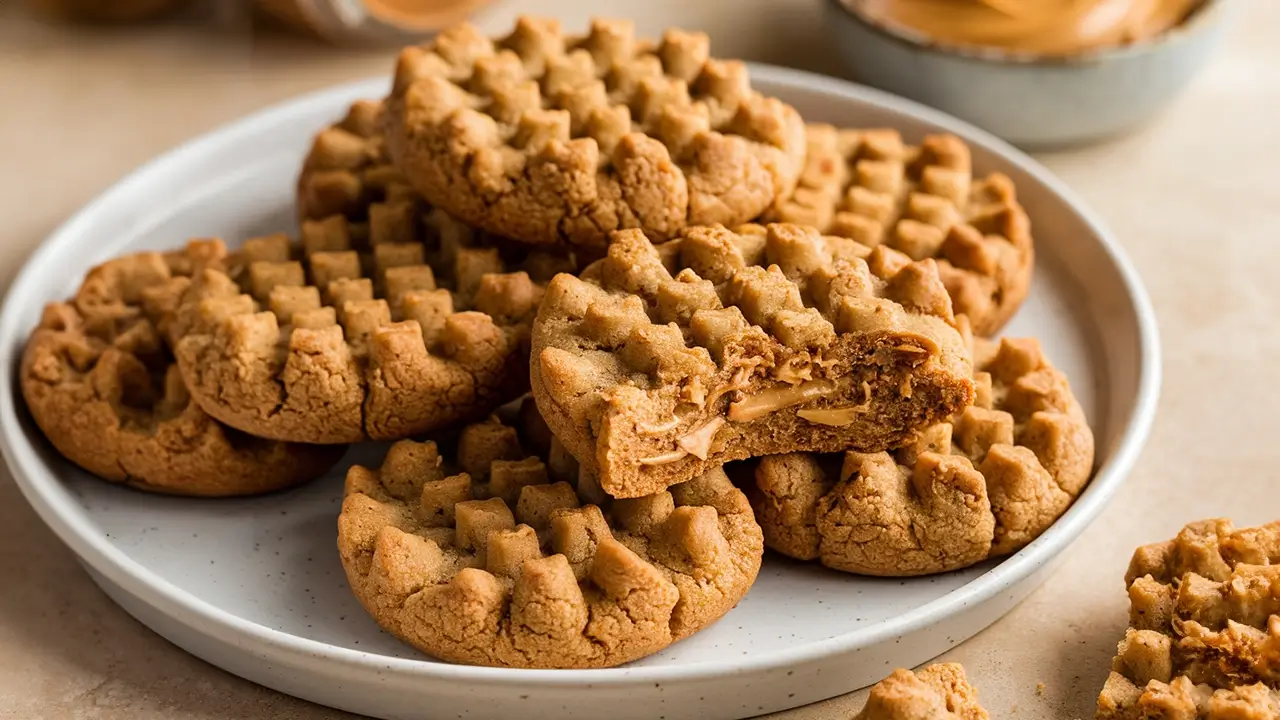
column 764, row 402
column 1041, row 27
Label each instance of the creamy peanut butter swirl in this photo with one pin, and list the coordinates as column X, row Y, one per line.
column 1042, row 27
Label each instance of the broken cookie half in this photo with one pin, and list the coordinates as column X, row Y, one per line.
column 983, row 483
column 1204, row 635
column 662, row 362
column 500, row 551
column 937, row 692
column 102, row 385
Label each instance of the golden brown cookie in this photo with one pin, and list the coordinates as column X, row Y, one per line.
column 101, row 384
column 347, row 170
column 550, row 139
column 870, row 186
column 937, row 692
column 379, row 330
column 506, row 554
column 984, row 483
column 663, row 362
column 1204, row 635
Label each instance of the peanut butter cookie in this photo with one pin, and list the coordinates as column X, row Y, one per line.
column 347, row 170
column 550, row 139
column 870, row 186
column 383, row 329
column 1204, row 635
column 664, row 361
column 984, row 483
column 101, row 384
column 506, row 554
column 937, row 692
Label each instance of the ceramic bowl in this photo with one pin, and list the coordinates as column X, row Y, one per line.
column 1031, row 101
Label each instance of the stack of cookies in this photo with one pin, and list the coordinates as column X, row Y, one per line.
column 628, row 323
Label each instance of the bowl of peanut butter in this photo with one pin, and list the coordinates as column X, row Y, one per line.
column 1039, row 73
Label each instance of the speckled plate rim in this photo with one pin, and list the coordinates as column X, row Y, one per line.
column 58, row 509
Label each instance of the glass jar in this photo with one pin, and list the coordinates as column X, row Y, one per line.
column 371, row 21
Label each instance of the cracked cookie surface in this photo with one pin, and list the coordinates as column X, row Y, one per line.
column 103, row 387
column 661, row 362
column 378, row 330
column 500, row 551
column 551, row 139
column 984, row 483
column 868, row 185
column 1204, row 635
column 937, row 692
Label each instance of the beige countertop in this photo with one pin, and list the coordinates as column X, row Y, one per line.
column 1194, row 199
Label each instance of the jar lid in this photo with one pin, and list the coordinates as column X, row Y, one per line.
column 380, row 21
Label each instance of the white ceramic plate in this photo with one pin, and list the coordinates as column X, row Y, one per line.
column 255, row 586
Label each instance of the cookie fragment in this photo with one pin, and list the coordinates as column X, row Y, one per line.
column 1204, row 635
column 869, row 185
column 103, row 387
column 379, row 330
column 506, row 554
column 662, row 362
column 984, row 483
column 937, row 692
column 548, row 139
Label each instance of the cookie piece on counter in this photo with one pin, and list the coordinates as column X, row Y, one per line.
column 984, row 483
column 553, row 139
column 923, row 200
column 102, row 385
column 380, row 330
column 1204, row 635
column 500, row 551
column 937, row 692
column 662, row 362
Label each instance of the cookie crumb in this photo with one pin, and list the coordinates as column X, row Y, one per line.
column 937, row 692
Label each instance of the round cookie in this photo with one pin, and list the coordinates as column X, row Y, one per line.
column 550, row 139
column 661, row 362
column 868, row 185
column 398, row 324
column 506, row 554
column 102, row 386
column 982, row 484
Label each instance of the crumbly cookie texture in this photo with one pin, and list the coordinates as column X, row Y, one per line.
column 1204, row 635
column 984, row 483
column 347, row 170
column 870, row 186
column 937, row 692
column 552, row 139
column 662, row 362
column 101, row 384
column 383, row 329
column 507, row 554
